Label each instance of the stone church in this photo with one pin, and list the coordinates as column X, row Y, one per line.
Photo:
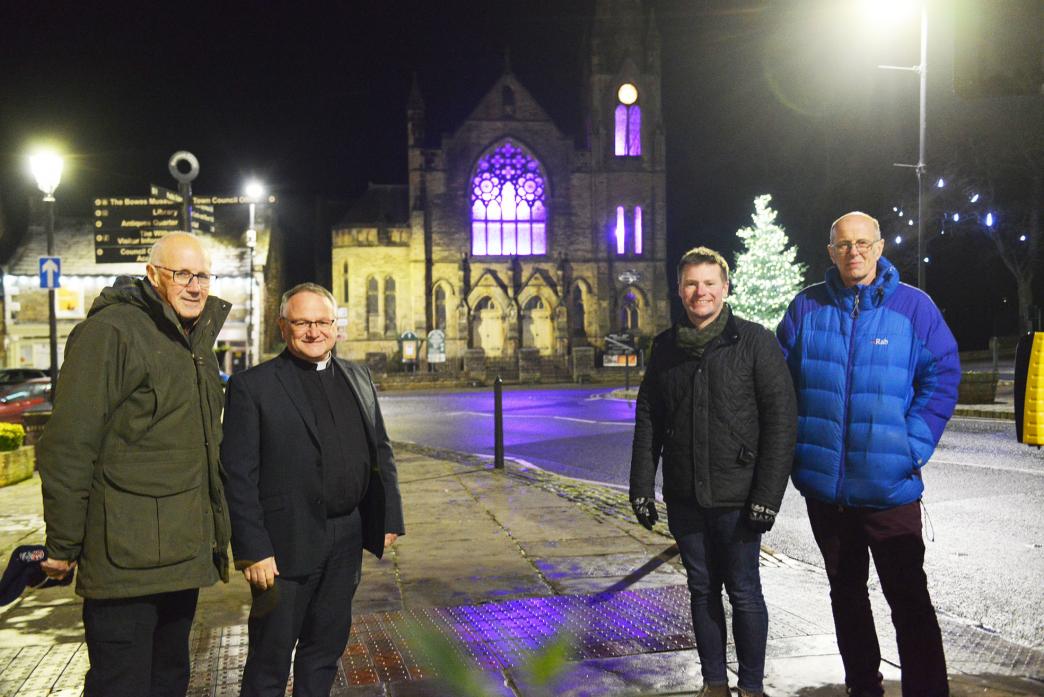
column 508, row 234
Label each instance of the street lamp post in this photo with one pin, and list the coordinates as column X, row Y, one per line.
column 254, row 191
column 47, row 170
column 921, row 167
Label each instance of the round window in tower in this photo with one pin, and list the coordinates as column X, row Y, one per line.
column 627, row 94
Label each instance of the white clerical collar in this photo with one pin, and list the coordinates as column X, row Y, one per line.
column 321, row 365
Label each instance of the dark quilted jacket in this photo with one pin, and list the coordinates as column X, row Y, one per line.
column 725, row 424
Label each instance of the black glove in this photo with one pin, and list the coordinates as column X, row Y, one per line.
column 645, row 511
column 760, row 518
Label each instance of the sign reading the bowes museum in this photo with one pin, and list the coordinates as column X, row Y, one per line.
column 126, row 227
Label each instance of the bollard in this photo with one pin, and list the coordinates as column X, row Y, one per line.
column 498, row 423
column 627, row 372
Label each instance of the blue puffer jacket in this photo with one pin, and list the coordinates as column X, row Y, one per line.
column 876, row 372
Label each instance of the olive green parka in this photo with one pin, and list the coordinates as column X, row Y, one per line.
column 129, row 459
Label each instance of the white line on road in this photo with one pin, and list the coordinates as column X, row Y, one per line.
column 489, row 415
column 1035, row 473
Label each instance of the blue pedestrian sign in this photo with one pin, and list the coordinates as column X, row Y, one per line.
column 50, row 272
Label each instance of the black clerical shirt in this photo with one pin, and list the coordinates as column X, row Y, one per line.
column 342, row 435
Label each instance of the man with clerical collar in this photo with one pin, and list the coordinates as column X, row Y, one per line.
column 311, row 482
column 718, row 404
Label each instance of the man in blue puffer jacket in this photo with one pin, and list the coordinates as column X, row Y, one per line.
column 876, row 372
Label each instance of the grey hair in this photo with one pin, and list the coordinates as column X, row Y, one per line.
column 855, row 214
column 305, row 288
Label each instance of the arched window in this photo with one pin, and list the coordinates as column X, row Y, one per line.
column 372, row 303
column 576, row 317
column 344, row 284
column 628, row 118
column 508, row 210
column 440, row 308
column 486, row 303
column 534, row 303
column 390, row 324
column 629, row 312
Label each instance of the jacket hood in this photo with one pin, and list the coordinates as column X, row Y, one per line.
column 886, row 280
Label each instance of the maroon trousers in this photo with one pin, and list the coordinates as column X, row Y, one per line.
column 847, row 537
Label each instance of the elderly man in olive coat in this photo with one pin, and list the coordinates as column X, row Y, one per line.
column 129, row 462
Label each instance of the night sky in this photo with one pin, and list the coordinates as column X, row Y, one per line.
column 759, row 97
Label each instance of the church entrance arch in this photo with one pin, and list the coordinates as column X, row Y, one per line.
column 488, row 327
column 537, row 329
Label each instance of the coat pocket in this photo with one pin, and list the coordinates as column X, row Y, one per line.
column 154, row 509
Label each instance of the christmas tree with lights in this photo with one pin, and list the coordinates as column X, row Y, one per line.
column 766, row 274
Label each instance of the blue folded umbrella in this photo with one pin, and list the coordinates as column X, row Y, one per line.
column 23, row 571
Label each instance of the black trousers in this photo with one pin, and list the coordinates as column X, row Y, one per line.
column 847, row 537
column 139, row 647
column 313, row 612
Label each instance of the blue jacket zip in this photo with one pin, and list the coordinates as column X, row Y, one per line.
column 848, row 401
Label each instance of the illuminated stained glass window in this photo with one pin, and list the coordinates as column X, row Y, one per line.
column 628, row 122
column 508, row 210
column 622, row 234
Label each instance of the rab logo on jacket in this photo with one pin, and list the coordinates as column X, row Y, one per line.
column 880, row 342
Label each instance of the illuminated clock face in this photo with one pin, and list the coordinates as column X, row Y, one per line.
column 627, row 94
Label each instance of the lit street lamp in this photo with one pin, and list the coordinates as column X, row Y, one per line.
column 254, row 191
column 46, row 167
column 921, row 167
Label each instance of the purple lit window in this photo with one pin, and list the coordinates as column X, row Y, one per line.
column 508, row 213
column 621, row 234
column 628, row 130
column 637, row 229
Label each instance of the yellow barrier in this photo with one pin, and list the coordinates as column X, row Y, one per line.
column 1029, row 389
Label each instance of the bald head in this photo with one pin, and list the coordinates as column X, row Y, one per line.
column 174, row 244
column 854, row 216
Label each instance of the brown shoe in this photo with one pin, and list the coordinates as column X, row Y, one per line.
column 709, row 690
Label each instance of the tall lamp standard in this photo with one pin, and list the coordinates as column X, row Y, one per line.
column 254, row 191
column 46, row 167
column 921, row 167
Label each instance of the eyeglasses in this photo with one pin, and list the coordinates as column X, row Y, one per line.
column 300, row 325
column 183, row 277
column 861, row 246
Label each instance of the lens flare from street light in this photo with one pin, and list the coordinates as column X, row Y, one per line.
column 956, row 217
column 254, row 189
column 989, row 220
column 926, row 260
column 974, row 198
column 909, row 222
column 887, row 10
column 46, row 166
column 1022, row 238
column 940, row 184
column 898, row 239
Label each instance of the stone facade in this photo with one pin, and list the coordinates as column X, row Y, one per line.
column 584, row 254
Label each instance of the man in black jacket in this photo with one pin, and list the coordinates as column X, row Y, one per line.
column 718, row 404
column 311, row 482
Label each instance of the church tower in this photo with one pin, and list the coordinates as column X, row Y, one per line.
column 625, row 133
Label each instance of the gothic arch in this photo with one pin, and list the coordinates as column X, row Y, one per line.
column 509, row 201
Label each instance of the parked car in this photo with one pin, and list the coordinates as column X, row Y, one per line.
column 13, row 376
column 15, row 400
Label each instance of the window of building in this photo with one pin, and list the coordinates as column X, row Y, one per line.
column 576, row 317
column 390, row 324
column 629, row 312
column 372, row 303
column 508, row 210
column 627, row 233
column 440, row 308
column 344, row 284
column 628, row 118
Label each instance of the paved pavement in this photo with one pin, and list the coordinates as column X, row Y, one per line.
column 495, row 565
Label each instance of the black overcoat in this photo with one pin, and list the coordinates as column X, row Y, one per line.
column 272, row 467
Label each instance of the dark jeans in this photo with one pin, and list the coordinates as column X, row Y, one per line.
column 718, row 549
column 313, row 612
column 139, row 647
column 847, row 537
